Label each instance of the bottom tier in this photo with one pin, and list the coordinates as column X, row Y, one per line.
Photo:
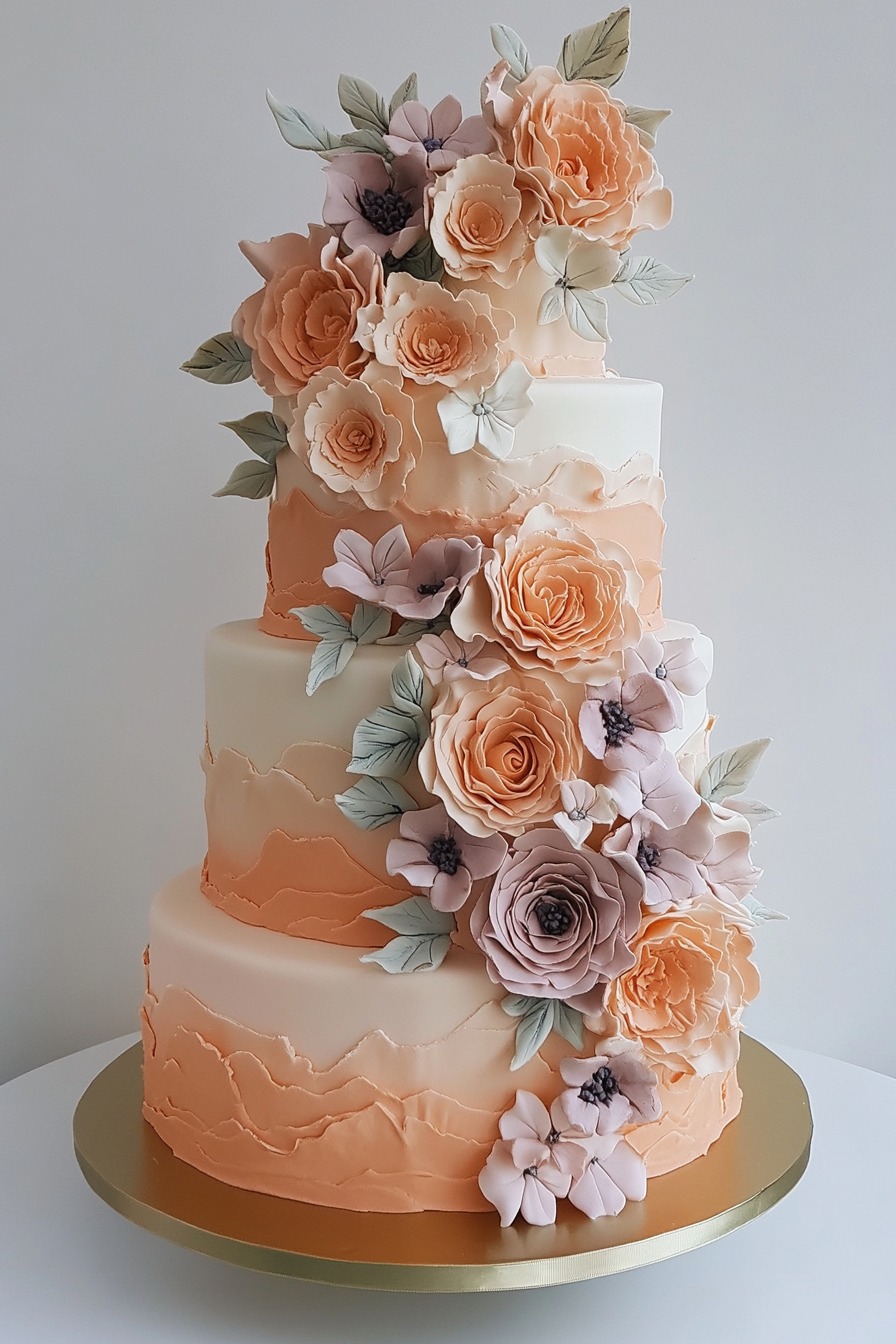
column 287, row 1066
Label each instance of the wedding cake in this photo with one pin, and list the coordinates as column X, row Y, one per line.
column 474, row 929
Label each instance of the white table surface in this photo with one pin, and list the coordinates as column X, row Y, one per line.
column 819, row 1267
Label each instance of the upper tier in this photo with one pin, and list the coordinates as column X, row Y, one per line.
column 589, row 447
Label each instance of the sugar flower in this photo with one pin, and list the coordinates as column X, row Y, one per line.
column 608, row 1091
column 671, row 860
column 533, row 1164
column 659, row 788
column 438, row 855
column 615, row 1174
column 481, row 223
column 366, row 568
column 557, row 920
column 727, row 868
column 487, row 416
column 497, row 753
column 374, row 205
column 671, row 660
column 438, row 138
column 445, row 658
column 442, row 566
column 621, row 722
column 583, row 805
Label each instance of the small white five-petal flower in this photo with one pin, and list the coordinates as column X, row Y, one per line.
column 487, row 416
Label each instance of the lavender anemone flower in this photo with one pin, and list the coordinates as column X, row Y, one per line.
column 608, row 1091
column 660, row 788
column 614, row 1175
column 438, row 138
column 672, row 661
column 438, row 855
column 442, row 566
column 670, row 859
column 445, row 658
column 374, row 205
column 621, row 722
column 534, row 1162
column 365, row 568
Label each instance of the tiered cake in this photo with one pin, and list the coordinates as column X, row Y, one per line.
column 475, row 922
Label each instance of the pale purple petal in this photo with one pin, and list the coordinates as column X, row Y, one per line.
column 482, row 855
column 539, row 1204
column 688, row 673
column 411, row 123
column 450, row 890
column 576, row 831
column 667, row 794
column 471, row 137
column 392, row 555
column 596, row 1195
column 445, row 118
column 501, row 1183
column 528, row 1118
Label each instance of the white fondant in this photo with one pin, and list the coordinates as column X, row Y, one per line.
column 609, row 419
column 318, row 996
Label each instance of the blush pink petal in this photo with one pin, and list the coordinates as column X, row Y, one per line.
column 539, row 1203
column 502, row 1184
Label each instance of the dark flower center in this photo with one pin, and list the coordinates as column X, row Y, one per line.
column 600, row 1087
column 661, row 674
column 385, row 210
column 444, row 853
column 554, row 916
column 553, row 1137
column 530, row 1171
column 432, row 143
column 430, row 589
column 617, row 724
column 648, row 855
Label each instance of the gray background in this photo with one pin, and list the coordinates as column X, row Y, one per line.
column 137, row 151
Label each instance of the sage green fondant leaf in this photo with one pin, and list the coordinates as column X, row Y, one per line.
column 517, row 1004
column 369, row 623
column 403, row 955
column 646, row 121
column 729, row 773
column 324, row 622
column 761, row 913
column 408, row 685
column 422, row 261
column 410, row 631
column 252, row 480
column 512, row 49
column 365, row 141
column 598, row 51
column 569, row 1023
column 645, row 280
column 751, row 808
column 262, row 431
column 374, row 802
column 327, row 661
column 534, row 1028
column 415, row 916
column 300, row 130
column 385, row 743
column 365, row 108
column 221, row 359
column 405, row 93
column 586, row 313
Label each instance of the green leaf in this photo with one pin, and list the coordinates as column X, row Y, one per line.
column 300, row 130
column 412, row 954
column 385, row 743
column 365, row 141
column 587, row 314
column 599, row 51
column 221, row 359
column 729, row 773
column 262, row 431
column 252, row 480
column 327, row 661
column 535, row 1026
column 369, row 623
column 408, row 685
column 410, row 631
column 646, row 121
column 422, row 261
column 512, row 49
column 569, row 1023
column 515, row 1005
column 372, row 803
column 324, row 622
column 414, row 916
column 645, row 280
column 405, row 93
column 751, row 808
column 363, row 105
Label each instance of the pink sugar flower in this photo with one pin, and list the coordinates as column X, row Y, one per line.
column 621, row 722
column 437, row 138
column 671, row 859
column 374, row 205
column 446, row 658
column 614, row 1175
column 365, row 568
column 438, row 855
column 583, row 805
column 533, row 1163
column 659, row 788
column 608, row 1091
column 441, row 566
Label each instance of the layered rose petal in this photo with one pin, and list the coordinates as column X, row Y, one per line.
column 480, row 223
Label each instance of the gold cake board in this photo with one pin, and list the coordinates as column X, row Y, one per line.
column 758, row 1159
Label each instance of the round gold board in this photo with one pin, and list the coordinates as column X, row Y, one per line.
column 758, row 1159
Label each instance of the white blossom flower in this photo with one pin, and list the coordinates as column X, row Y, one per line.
column 487, row 416
column 579, row 266
column 583, row 804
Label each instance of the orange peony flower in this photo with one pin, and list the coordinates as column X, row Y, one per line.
column 304, row 319
column 682, row 1000
column 480, row 221
column 497, row 754
column 554, row 598
column 358, row 434
column 571, row 145
column 434, row 337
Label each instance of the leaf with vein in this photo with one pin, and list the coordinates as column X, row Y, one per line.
column 729, row 773
column 408, row 685
column 761, row 913
column 261, row 431
column 598, row 51
column 364, row 107
column 327, row 661
column 385, row 743
column 751, row 808
column 301, row 130
column 372, row 803
column 569, row 1023
column 370, row 623
column 366, row 141
column 324, row 622
column 587, row 314
column 251, row 480
column 512, row 49
column 645, row 280
column 408, row 954
column 646, row 121
column 414, row 916
column 405, row 93
column 535, row 1026
column 221, row 359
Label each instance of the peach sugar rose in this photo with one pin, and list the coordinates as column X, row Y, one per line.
column 571, row 145
column 358, row 434
column 682, row 1000
column 497, row 754
column 553, row 597
column 433, row 336
column 304, row 319
column 480, row 221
